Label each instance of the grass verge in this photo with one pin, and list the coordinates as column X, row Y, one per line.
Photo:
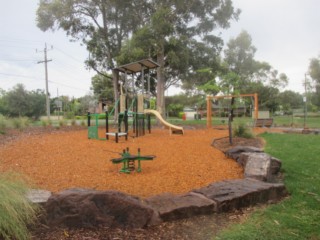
column 297, row 217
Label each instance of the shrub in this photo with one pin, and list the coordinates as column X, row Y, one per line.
column 44, row 123
column 242, row 131
column 62, row 123
column 3, row 124
column 73, row 122
column 83, row 123
column 20, row 123
column 69, row 115
column 16, row 211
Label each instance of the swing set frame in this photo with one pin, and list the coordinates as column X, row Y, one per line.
column 210, row 98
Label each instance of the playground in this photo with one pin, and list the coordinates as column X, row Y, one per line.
column 61, row 160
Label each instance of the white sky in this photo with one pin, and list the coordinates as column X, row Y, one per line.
column 285, row 33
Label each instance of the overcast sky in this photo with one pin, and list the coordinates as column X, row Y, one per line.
column 285, row 33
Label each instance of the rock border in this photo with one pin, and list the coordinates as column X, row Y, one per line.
column 78, row 207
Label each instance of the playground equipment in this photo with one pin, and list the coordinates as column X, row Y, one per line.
column 140, row 101
column 210, row 98
column 172, row 128
column 128, row 161
column 93, row 129
column 139, row 109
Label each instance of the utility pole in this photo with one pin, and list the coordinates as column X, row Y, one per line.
column 45, row 61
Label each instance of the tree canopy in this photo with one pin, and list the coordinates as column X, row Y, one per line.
column 18, row 102
column 173, row 28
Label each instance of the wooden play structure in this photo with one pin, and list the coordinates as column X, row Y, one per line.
column 209, row 108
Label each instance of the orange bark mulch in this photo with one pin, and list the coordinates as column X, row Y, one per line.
column 61, row 160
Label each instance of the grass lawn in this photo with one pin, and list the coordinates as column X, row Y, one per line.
column 297, row 217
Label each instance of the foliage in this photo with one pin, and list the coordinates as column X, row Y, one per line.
column 296, row 217
column 314, row 72
column 3, row 124
column 102, row 88
column 177, row 36
column 290, row 100
column 241, row 130
column 239, row 58
column 175, row 109
column 18, row 102
column 16, row 212
column 101, row 25
column 314, row 69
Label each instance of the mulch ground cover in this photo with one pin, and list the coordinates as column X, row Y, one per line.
column 56, row 160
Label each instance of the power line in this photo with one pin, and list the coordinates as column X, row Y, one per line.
column 17, row 60
column 68, row 86
column 16, row 75
column 70, row 56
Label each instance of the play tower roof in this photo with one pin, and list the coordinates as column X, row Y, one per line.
column 135, row 67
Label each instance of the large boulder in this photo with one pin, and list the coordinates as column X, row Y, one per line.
column 260, row 166
column 172, row 207
column 235, row 152
column 236, row 194
column 88, row 208
column 38, row 196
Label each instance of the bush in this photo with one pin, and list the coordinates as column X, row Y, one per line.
column 46, row 122
column 73, row 122
column 62, row 123
column 69, row 115
column 3, row 124
column 16, row 211
column 83, row 123
column 242, row 131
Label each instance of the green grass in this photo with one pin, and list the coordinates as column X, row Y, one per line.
column 297, row 217
column 16, row 212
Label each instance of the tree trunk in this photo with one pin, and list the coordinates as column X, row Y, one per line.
column 160, row 83
column 230, row 120
column 115, row 77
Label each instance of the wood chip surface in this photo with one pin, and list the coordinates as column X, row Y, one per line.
column 60, row 160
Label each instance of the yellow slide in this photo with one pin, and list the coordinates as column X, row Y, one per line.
column 171, row 127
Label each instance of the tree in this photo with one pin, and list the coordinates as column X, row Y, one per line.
column 179, row 36
column 314, row 72
column 239, row 58
column 104, row 25
column 102, row 88
column 101, row 25
column 290, row 100
column 3, row 109
column 86, row 102
column 37, row 101
column 17, row 101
